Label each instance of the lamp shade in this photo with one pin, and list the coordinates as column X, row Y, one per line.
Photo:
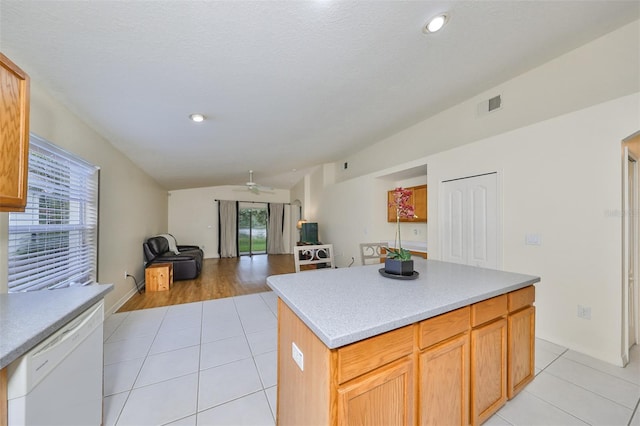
column 300, row 222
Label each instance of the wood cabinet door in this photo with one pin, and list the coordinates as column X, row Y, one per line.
column 4, row 412
column 391, row 211
column 444, row 383
column 382, row 397
column 418, row 200
column 521, row 327
column 14, row 136
column 420, row 203
column 488, row 370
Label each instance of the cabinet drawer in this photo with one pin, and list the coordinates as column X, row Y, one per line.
column 489, row 309
column 521, row 298
column 366, row 355
column 384, row 396
column 442, row 327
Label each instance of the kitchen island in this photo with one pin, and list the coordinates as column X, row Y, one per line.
column 355, row 347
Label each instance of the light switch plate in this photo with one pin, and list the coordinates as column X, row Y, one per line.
column 297, row 356
column 533, row 239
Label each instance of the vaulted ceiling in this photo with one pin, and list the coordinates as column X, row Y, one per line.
column 283, row 84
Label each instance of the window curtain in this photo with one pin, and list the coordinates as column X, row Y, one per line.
column 275, row 229
column 227, row 228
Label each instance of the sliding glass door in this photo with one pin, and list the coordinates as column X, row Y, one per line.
column 252, row 229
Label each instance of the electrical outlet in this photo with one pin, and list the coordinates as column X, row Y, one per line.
column 297, row 356
column 126, row 274
column 533, row 239
column 584, row 312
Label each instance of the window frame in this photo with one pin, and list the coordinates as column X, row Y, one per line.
column 54, row 242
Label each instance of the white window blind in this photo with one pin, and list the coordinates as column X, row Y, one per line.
column 53, row 243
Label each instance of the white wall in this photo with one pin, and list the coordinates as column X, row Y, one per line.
column 314, row 184
column 604, row 69
column 355, row 211
column 348, row 214
column 193, row 213
column 557, row 146
column 297, row 195
column 132, row 205
column 561, row 179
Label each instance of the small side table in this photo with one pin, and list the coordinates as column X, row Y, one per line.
column 159, row 276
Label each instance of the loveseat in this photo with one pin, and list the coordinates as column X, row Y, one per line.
column 187, row 263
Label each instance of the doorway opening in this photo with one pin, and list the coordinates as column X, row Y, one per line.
column 252, row 229
column 630, row 243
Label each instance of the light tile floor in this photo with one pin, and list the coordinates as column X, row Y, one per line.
column 214, row 363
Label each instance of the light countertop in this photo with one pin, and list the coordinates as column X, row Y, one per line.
column 26, row 319
column 342, row 306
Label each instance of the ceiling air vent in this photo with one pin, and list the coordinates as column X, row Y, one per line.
column 490, row 105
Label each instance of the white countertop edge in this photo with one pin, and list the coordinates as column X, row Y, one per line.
column 41, row 323
column 339, row 341
column 341, row 305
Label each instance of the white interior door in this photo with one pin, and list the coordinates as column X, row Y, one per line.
column 469, row 226
column 453, row 241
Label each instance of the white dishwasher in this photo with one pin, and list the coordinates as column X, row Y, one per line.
column 59, row 382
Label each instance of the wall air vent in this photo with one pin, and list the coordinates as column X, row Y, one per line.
column 495, row 103
column 490, row 105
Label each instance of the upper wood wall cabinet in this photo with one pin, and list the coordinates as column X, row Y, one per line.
column 418, row 200
column 14, row 136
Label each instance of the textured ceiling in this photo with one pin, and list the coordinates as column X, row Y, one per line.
column 284, row 84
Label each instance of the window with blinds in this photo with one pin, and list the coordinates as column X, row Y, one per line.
column 53, row 243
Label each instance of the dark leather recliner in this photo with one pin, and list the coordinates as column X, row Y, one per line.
column 186, row 265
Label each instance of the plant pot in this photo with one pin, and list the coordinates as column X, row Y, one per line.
column 398, row 267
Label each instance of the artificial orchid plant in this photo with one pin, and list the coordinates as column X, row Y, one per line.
column 404, row 210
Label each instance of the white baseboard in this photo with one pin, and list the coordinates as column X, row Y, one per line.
column 122, row 301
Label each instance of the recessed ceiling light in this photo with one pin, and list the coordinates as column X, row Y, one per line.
column 436, row 23
column 198, row 118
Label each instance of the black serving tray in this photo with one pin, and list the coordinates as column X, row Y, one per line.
column 399, row 277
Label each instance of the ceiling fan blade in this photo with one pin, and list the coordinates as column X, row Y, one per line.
column 254, row 188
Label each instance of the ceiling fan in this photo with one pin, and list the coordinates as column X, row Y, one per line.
column 255, row 188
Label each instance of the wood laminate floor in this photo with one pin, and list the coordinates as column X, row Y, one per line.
column 220, row 278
